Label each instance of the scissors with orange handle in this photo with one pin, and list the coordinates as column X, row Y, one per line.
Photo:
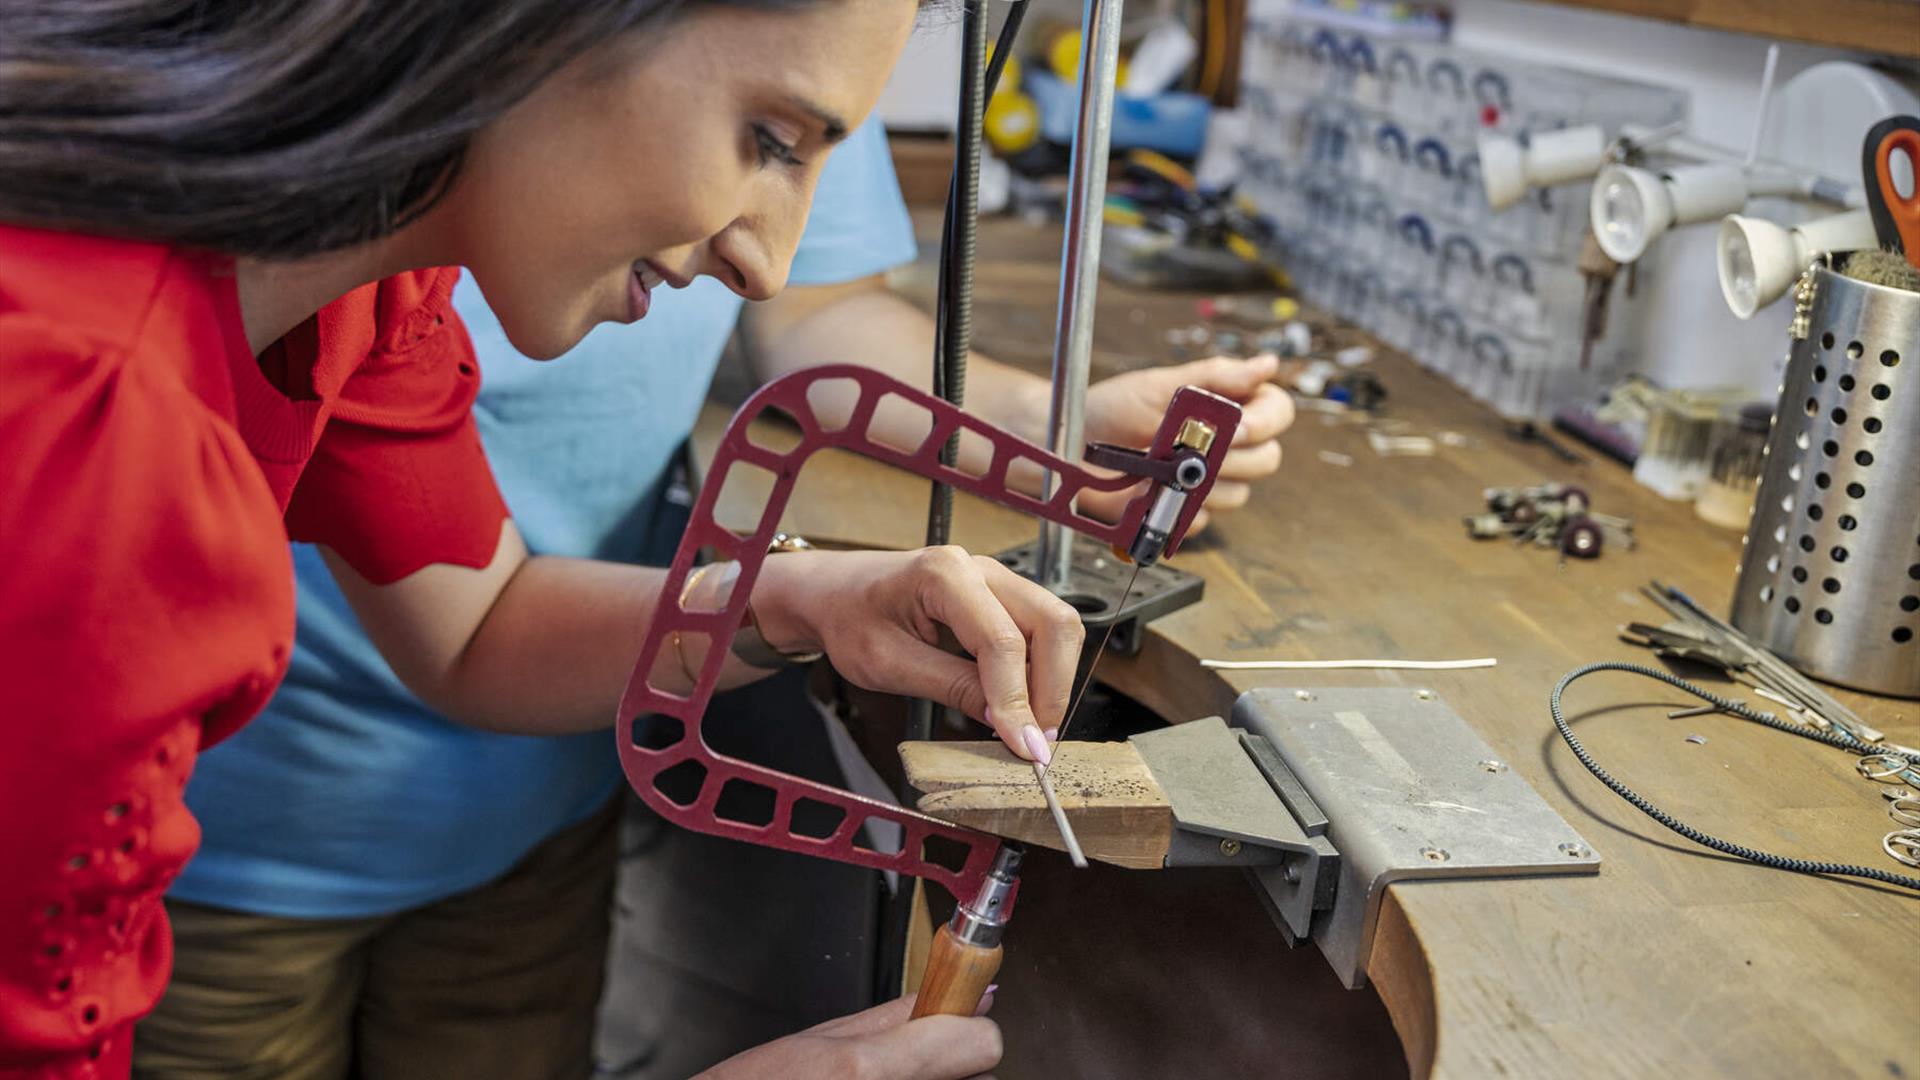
column 1896, row 217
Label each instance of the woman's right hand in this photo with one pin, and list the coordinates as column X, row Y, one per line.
column 878, row 1044
column 878, row 615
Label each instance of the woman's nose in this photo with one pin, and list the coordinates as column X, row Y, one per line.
column 750, row 262
column 754, row 254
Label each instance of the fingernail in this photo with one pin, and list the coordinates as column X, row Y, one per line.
column 1053, row 734
column 1267, row 358
column 1036, row 744
column 986, row 1001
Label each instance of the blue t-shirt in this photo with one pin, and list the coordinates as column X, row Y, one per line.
column 348, row 797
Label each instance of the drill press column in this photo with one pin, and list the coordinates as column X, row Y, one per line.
column 1080, row 264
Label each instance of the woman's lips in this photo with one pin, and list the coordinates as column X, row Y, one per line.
column 639, row 295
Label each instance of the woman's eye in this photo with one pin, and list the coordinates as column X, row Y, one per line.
column 771, row 148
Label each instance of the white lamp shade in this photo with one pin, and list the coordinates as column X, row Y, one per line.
column 1556, row 157
column 1503, row 170
column 1759, row 259
column 1628, row 208
column 1508, row 169
column 1705, row 192
column 1631, row 206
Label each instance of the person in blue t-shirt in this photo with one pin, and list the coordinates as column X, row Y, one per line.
column 389, row 892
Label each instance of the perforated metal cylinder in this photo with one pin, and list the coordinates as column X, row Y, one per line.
column 1830, row 573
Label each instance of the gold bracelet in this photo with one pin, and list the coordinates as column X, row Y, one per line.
column 679, row 650
column 749, row 644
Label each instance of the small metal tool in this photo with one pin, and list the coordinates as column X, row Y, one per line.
column 1598, row 270
column 1067, row 837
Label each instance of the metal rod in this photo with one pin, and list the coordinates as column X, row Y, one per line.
column 1080, row 262
column 1060, row 821
column 1766, row 666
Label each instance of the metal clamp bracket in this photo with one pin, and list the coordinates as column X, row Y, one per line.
column 1410, row 791
column 1327, row 796
column 1236, row 804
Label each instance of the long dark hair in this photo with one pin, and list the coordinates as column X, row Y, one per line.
column 270, row 128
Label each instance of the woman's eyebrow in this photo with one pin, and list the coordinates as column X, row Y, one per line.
column 835, row 127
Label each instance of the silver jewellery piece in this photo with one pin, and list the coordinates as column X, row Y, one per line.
column 1906, row 811
column 1903, row 846
column 1882, row 768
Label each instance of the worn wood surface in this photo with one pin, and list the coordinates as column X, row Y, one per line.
column 1118, row 812
column 1673, row 960
column 1881, row 26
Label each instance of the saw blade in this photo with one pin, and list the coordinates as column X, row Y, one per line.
column 1067, row 836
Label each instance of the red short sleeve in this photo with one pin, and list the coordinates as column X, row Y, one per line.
column 398, row 480
column 146, row 607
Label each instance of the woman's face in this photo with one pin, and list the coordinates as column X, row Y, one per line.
column 688, row 151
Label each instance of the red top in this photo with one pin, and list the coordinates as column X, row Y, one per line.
column 147, row 459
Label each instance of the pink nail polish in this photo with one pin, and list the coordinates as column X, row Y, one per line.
column 1036, row 744
column 991, row 987
column 1053, row 734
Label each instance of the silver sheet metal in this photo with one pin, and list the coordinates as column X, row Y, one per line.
column 1410, row 792
column 1214, row 788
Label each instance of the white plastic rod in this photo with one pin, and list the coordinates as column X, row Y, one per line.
column 1348, row 665
column 1766, row 99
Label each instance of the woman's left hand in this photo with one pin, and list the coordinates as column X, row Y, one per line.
column 1127, row 409
column 879, row 615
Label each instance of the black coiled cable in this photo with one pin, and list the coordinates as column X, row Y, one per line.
column 952, row 340
column 953, row 299
column 1836, row 739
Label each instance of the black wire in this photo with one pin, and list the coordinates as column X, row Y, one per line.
column 952, row 338
column 1762, row 858
column 1003, row 45
column 953, row 308
column 953, row 318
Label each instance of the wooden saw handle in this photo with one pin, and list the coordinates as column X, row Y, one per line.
column 958, row 975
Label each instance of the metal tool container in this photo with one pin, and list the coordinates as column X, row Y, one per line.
column 1830, row 574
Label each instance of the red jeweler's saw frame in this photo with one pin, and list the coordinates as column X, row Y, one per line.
column 662, row 749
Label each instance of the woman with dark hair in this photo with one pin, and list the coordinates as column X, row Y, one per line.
column 224, row 321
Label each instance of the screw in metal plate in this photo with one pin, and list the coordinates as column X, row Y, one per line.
column 1303, row 695
column 1573, row 849
column 1491, row 765
column 1229, row 848
column 1424, row 695
column 1434, row 854
column 1290, row 873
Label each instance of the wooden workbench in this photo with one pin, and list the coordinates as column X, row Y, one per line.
column 1673, row 961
